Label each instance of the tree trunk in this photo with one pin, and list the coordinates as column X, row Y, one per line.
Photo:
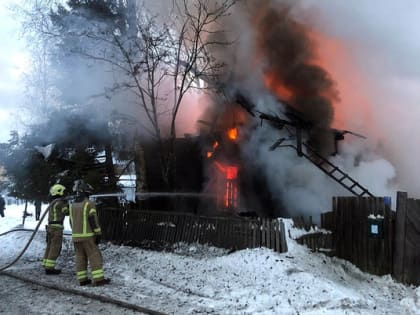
column 25, row 214
column 140, row 167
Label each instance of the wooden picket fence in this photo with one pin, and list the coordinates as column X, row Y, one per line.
column 136, row 226
column 394, row 250
column 318, row 242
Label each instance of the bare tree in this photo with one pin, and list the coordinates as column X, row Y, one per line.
column 198, row 33
column 161, row 62
column 158, row 59
column 37, row 30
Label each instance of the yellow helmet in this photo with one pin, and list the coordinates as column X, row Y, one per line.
column 57, row 190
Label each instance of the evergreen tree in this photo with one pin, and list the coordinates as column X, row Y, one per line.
column 75, row 145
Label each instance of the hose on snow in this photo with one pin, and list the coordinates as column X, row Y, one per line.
column 85, row 294
column 27, row 244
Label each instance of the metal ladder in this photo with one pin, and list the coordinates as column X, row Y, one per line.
column 333, row 171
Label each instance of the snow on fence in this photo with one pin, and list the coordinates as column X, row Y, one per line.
column 137, row 226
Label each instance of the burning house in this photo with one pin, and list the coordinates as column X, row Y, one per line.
column 275, row 94
column 212, row 175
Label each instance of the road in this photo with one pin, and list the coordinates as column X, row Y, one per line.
column 21, row 298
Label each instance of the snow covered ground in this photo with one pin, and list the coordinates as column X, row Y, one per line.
column 196, row 279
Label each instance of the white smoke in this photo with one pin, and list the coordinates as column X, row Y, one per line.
column 383, row 36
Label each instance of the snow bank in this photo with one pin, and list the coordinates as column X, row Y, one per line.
column 199, row 279
column 411, row 306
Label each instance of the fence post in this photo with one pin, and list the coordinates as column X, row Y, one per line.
column 277, row 231
column 255, row 225
column 283, row 241
column 400, row 233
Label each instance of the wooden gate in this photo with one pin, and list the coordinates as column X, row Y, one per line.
column 407, row 242
column 366, row 232
column 353, row 233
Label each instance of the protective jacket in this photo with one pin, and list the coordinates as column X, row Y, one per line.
column 57, row 211
column 84, row 220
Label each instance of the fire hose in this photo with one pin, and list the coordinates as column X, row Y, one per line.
column 27, row 244
column 63, row 289
column 69, row 197
column 30, row 240
column 85, row 294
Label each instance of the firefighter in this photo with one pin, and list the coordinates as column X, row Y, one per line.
column 58, row 209
column 86, row 236
column 2, row 206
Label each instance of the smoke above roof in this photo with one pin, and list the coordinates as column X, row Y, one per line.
column 280, row 55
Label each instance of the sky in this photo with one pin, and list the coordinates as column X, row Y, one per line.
column 13, row 62
column 200, row 279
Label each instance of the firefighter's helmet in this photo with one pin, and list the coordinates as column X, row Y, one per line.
column 80, row 186
column 57, row 190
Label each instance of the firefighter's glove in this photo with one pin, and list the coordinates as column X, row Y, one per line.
column 97, row 239
column 46, row 233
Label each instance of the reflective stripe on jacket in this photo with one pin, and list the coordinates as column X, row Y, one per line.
column 57, row 211
column 79, row 220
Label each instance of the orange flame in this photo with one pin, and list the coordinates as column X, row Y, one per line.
column 230, row 193
column 210, row 153
column 231, row 172
column 233, row 134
